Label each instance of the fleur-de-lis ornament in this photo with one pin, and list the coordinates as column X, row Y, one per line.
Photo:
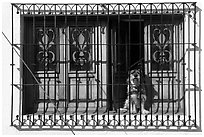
column 81, row 39
column 45, row 41
column 161, row 37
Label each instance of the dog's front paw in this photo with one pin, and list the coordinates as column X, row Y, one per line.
column 145, row 112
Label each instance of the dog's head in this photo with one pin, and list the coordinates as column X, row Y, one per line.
column 135, row 77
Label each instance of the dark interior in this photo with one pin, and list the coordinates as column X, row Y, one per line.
column 129, row 50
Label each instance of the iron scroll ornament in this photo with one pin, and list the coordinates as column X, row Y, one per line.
column 80, row 48
column 46, row 53
column 161, row 54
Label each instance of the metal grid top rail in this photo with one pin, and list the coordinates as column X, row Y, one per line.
column 104, row 9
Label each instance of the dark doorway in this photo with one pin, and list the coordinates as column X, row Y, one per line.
column 127, row 49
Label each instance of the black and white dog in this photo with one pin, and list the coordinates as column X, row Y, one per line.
column 136, row 93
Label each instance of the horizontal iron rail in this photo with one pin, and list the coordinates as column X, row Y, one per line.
column 42, row 8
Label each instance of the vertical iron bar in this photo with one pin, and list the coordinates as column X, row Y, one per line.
column 140, row 44
column 162, row 75
column 101, row 61
column 23, row 8
column 44, row 33
column 12, row 61
column 55, row 81
column 189, row 65
column 13, row 73
column 87, row 96
column 113, row 62
column 33, row 45
column 118, row 46
column 87, row 75
column 128, row 66
column 97, row 23
column 169, row 87
column 77, row 95
column 110, row 63
column 184, row 103
column 178, row 59
column 48, row 92
column 150, row 58
column 195, row 45
column 65, row 67
column 172, row 46
column 76, row 25
column 199, row 71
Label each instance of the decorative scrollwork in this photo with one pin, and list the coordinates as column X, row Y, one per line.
column 46, row 53
column 103, row 9
column 106, row 122
column 161, row 45
column 80, row 48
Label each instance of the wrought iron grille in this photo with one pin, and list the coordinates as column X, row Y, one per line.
column 76, row 62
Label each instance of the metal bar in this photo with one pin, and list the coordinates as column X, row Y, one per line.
column 195, row 109
column 77, row 84
column 101, row 75
column 113, row 62
column 55, row 81
column 199, row 71
column 109, row 103
column 48, row 93
column 118, row 46
column 12, row 62
column 149, row 68
column 184, row 101
column 87, row 97
column 13, row 73
column 77, row 95
column 84, row 84
column 16, row 45
column 95, row 58
column 34, row 44
column 141, row 66
column 23, row 9
column 172, row 44
column 178, row 66
column 169, row 92
column 44, row 33
column 162, row 72
column 128, row 61
column 189, row 63
column 97, row 31
column 87, row 75
column 65, row 67
column 15, row 4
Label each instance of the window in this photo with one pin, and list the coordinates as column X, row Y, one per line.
column 76, row 61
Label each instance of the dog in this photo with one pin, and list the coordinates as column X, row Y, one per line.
column 136, row 93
